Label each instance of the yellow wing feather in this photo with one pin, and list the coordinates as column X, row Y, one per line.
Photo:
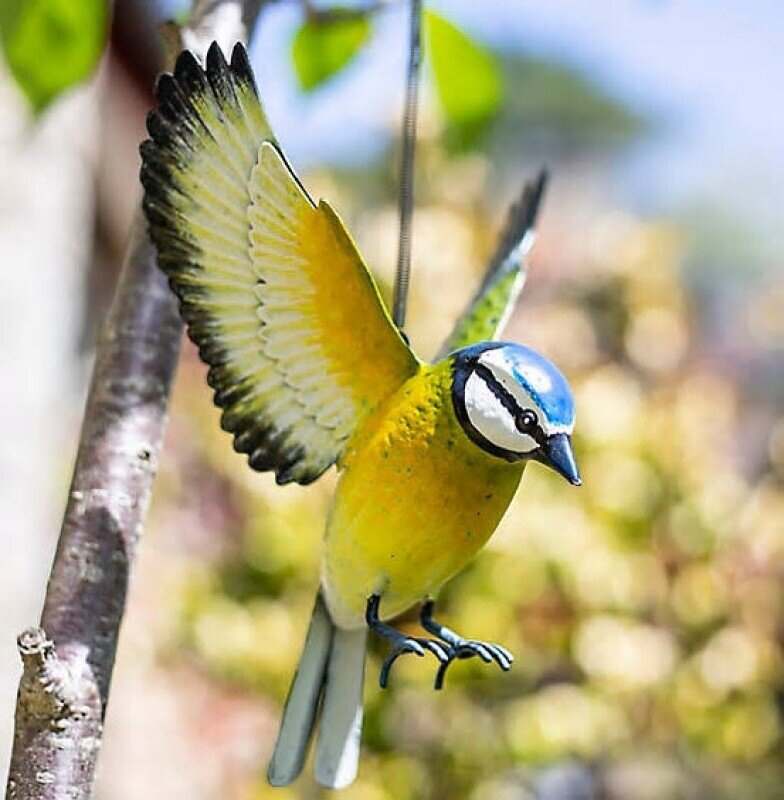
column 272, row 287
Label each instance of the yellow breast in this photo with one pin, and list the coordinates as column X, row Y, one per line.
column 416, row 500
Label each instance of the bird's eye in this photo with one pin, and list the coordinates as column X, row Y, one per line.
column 526, row 421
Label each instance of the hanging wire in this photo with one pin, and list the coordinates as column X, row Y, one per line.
column 406, row 207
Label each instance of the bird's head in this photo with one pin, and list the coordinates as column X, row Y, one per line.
column 515, row 404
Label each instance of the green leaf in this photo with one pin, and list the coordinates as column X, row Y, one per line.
column 467, row 79
column 323, row 47
column 51, row 45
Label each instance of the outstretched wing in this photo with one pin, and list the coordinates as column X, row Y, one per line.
column 492, row 305
column 272, row 288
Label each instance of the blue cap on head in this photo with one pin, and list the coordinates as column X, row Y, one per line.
column 543, row 381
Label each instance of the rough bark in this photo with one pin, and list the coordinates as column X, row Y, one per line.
column 68, row 660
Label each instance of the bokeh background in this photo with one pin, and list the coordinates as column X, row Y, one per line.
column 645, row 609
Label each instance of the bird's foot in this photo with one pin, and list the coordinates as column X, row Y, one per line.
column 468, row 648
column 410, row 644
column 462, row 648
column 402, row 644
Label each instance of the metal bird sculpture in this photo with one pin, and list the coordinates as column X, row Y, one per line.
column 309, row 371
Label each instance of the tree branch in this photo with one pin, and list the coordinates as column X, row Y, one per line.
column 68, row 660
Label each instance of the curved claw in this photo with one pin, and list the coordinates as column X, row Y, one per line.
column 442, row 652
column 474, row 648
column 467, row 649
column 441, row 674
column 501, row 656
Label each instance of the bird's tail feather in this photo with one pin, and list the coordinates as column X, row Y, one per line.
column 330, row 674
column 340, row 728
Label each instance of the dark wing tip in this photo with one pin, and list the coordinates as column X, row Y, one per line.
column 152, row 122
column 189, row 73
column 521, row 219
column 146, row 148
column 216, row 61
column 186, row 62
column 267, row 447
column 165, row 88
column 240, row 64
column 532, row 198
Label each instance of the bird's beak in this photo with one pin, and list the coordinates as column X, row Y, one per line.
column 557, row 453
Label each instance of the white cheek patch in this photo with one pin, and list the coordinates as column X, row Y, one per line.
column 488, row 415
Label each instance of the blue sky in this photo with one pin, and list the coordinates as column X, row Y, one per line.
column 711, row 70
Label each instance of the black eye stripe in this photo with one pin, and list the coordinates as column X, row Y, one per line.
column 506, row 398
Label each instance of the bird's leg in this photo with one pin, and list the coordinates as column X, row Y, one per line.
column 400, row 642
column 460, row 647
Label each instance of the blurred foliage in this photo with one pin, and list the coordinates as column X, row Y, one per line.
column 324, row 45
column 554, row 104
column 466, row 77
column 51, row 45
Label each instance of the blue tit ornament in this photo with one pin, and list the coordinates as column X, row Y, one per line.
column 310, row 371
